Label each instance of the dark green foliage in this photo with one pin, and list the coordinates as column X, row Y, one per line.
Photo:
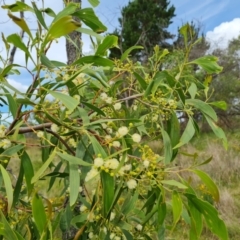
column 144, row 23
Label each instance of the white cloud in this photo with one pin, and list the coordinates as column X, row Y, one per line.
column 222, row 34
column 19, row 86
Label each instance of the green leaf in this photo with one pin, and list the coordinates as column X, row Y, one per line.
column 94, row 3
column 69, row 102
column 73, row 160
column 108, row 42
column 44, row 167
column 193, row 90
column 173, row 129
column 187, row 134
column 74, row 183
column 61, row 27
column 94, row 108
column 68, row 10
column 95, row 60
column 13, row 106
column 7, row 46
column 5, row 229
column 196, row 222
column 162, row 211
column 88, row 16
column 98, row 149
column 16, row 40
column 141, row 81
column 215, row 224
column 97, row 75
column 8, row 187
column 11, row 151
column 38, row 212
column 129, row 203
column 90, row 33
column 184, row 31
column 65, row 222
column 18, row 186
column 209, row 184
column 174, row 183
column 21, row 23
column 18, row 7
column 46, row 62
column 49, row 12
column 167, row 147
column 28, row 170
column 108, row 185
column 203, row 107
column 218, row 131
column 177, row 207
column 83, row 114
column 208, row 63
column 129, row 50
column 39, row 15
column 220, row 104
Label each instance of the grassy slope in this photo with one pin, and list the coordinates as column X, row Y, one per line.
column 224, row 170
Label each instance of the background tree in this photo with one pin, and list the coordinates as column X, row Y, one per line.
column 144, row 23
column 226, row 86
column 74, row 41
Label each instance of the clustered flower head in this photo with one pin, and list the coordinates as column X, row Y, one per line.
column 40, row 134
column 117, row 106
column 5, row 143
column 2, row 131
column 136, row 138
column 121, row 132
column 54, row 127
column 111, row 163
column 132, row 184
column 91, row 174
column 98, row 162
column 104, row 97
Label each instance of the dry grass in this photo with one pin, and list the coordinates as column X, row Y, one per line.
column 224, row 169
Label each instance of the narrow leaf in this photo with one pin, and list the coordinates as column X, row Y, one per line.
column 43, row 168
column 73, row 160
column 177, row 207
column 203, row 107
column 21, row 23
column 187, row 134
column 74, row 183
column 28, row 170
column 88, row 16
column 209, row 184
column 208, row 63
column 167, row 147
column 8, row 187
column 141, row 81
column 215, row 224
column 174, row 183
column 39, row 214
column 128, row 51
column 108, row 42
column 108, row 185
column 94, row 3
column 69, row 102
column 95, row 60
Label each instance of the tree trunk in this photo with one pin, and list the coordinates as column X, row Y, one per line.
column 74, row 50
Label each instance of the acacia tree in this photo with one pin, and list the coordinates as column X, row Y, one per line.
column 92, row 142
column 144, row 23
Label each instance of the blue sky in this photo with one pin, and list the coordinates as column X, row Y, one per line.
column 220, row 20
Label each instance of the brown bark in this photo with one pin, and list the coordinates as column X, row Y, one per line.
column 74, row 51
